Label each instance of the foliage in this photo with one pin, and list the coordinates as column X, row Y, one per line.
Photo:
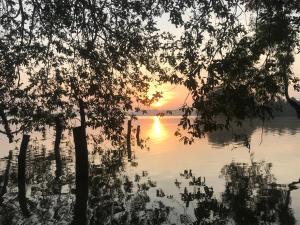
column 62, row 57
column 59, row 58
column 236, row 58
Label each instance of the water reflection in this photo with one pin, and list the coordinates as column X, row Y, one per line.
column 157, row 132
column 240, row 134
column 121, row 194
column 251, row 197
column 113, row 197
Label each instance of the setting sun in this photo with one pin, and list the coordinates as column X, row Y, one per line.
column 162, row 101
column 157, row 104
column 166, row 95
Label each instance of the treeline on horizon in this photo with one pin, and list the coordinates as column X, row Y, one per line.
column 282, row 109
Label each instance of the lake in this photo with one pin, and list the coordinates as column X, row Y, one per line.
column 216, row 180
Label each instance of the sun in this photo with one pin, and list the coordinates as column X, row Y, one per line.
column 158, row 103
column 166, row 95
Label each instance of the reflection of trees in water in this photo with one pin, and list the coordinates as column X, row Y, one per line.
column 112, row 199
column 251, row 196
column 283, row 125
column 44, row 199
column 208, row 209
column 242, row 134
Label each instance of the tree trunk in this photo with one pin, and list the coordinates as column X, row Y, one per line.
column 129, row 140
column 82, row 173
column 138, row 131
column 22, row 176
column 58, row 135
column 6, row 124
column 6, row 175
column 295, row 105
column 82, row 113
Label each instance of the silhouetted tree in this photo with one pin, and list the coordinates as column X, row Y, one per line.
column 69, row 58
column 236, row 58
column 6, row 175
column 93, row 58
column 22, row 176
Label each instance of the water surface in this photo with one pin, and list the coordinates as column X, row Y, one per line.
column 161, row 184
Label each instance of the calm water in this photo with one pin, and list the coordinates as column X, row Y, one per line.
column 161, row 184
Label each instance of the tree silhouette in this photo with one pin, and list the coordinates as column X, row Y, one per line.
column 236, row 58
column 64, row 58
column 94, row 58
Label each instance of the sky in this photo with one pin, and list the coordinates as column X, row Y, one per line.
column 174, row 96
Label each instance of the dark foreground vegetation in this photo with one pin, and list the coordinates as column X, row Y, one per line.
column 74, row 64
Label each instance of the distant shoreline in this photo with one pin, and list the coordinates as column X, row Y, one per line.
column 283, row 109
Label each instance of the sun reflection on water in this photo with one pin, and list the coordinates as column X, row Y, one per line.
column 158, row 131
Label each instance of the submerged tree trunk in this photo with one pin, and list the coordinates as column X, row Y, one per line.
column 129, row 140
column 6, row 124
column 286, row 215
column 22, row 176
column 138, row 131
column 6, row 175
column 294, row 104
column 82, row 173
column 58, row 135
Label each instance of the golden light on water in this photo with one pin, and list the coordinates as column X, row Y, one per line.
column 157, row 126
column 157, row 131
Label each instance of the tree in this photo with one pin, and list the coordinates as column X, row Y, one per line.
column 236, row 58
column 61, row 58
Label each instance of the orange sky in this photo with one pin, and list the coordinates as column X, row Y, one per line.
column 173, row 96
